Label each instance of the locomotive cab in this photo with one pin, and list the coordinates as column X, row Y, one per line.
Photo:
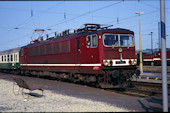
column 119, row 50
column 118, row 57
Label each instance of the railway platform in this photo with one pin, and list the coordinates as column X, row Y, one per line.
column 151, row 78
column 152, row 74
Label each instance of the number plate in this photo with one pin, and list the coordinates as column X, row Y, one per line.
column 120, row 62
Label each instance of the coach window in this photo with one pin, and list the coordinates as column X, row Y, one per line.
column 16, row 57
column 5, row 58
column 91, row 41
column 11, row 58
column 2, row 59
column 8, row 57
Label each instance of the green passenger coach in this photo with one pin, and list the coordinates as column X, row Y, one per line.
column 10, row 60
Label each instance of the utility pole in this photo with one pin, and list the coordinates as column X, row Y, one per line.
column 151, row 42
column 140, row 53
column 151, row 47
column 163, row 57
column 159, row 36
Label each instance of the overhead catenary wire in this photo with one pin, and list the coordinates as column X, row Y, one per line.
column 130, row 17
column 123, row 20
column 25, row 21
column 85, row 14
column 67, row 20
column 30, row 17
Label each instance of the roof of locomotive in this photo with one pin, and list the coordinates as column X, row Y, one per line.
column 10, row 51
column 81, row 34
column 118, row 31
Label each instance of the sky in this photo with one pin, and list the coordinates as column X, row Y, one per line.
column 19, row 19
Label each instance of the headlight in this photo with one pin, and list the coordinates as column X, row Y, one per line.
column 106, row 63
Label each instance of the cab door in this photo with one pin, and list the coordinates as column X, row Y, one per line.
column 90, row 49
column 87, row 53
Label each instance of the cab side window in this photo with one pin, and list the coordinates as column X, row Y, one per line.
column 88, row 41
column 92, row 41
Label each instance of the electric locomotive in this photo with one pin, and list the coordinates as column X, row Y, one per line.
column 155, row 58
column 92, row 54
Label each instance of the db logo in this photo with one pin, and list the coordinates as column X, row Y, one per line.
column 95, row 68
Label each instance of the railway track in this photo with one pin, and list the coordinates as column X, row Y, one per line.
column 143, row 89
column 136, row 89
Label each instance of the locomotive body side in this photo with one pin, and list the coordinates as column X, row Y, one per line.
column 54, row 55
column 68, row 55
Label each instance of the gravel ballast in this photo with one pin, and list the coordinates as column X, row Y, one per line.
column 49, row 102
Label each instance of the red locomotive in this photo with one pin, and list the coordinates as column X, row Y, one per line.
column 155, row 59
column 93, row 54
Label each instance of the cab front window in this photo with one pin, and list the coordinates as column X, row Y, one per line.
column 126, row 40
column 110, row 40
column 118, row 40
